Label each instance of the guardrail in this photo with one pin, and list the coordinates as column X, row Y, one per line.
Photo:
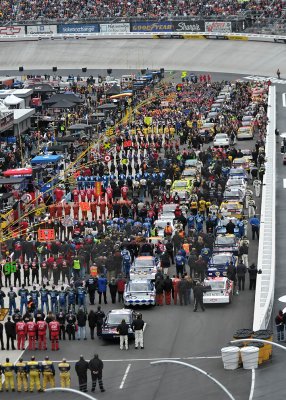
column 264, row 295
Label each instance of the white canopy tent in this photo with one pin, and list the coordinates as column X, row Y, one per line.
column 13, row 101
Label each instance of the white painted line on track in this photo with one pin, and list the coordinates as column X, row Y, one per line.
column 252, row 384
column 150, row 359
column 125, row 376
column 284, row 99
column 284, row 183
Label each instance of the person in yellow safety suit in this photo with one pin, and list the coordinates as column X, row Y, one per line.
column 65, row 376
column 34, row 369
column 48, row 371
column 8, row 369
column 22, row 375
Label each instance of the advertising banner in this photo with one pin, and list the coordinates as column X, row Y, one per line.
column 150, row 26
column 115, row 28
column 218, row 26
column 46, row 235
column 12, row 30
column 78, row 29
column 41, row 29
column 188, row 26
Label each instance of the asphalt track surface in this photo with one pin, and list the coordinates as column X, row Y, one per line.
column 256, row 58
column 171, row 331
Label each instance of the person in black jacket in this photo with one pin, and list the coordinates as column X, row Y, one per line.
column 240, row 272
column 252, row 270
column 1, row 337
column 81, row 368
column 113, row 290
column 10, row 329
column 81, row 322
column 199, row 290
column 168, row 286
column 96, row 367
column 99, row 321
column 122, row 329
column 92, row 323
column 137, row 326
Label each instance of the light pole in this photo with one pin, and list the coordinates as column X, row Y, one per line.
column 74, row 391
column 199, row 370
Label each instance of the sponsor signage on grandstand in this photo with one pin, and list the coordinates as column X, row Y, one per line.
column 41, row 29
column 115, row 28
column 12, row 30
column 189, row 26
column 151, row 26
column 78, row 29
column 218, row 26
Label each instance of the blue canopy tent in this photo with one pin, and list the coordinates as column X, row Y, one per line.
column 47, row 159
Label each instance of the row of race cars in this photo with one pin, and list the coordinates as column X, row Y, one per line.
column 140, row 289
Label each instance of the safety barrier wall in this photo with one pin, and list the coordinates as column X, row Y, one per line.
column 264, row 295
column 122, row 31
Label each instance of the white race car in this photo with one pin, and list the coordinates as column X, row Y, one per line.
column 139, row 293
column 221, row 140
column 221, row 291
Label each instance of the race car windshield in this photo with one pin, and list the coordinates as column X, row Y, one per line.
column 115, row 319
column 144, row 263
column 225, row 240
column 216, row 285
column 181, row 184
column 221, row 259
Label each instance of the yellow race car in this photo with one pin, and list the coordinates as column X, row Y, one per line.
column 180, row 185
column 234, row 209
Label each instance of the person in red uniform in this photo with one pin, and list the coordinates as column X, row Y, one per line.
column 82, row 193
column 67, row 209
column 124, row 192
column 42, row 332
column 75, row 210
column 109, row 193
column 102, row 208
column 32, row 331
column 59, row 210
column 110, row 209
column 89, row 194
column 52, row 210
column 21, row 331
column 93, row 209
column 54, row 327
column 75, row 194
column 58, row 193
column 23, row 227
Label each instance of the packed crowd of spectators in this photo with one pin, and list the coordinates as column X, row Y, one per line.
column 23, row 10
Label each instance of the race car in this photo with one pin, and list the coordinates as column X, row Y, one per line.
column 139, row 293
column 182, row 185
column 245, row 132
column 226, row 243
column 233, row 209
column 221, row 291
column 113, row 319
column 218, row 263
column 144, row 267
column 221, row 140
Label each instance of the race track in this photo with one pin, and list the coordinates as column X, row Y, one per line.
column 256, row 58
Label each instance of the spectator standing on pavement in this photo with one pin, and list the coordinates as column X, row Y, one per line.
column 252, row 270
column 137, row 326
column 240, row 272
column 99, row 321
column 278, row 73
column 92, row 323
column 255, row 223
column 122, row 329
column 10, row 330
column 183, row 291
column 96, row 367
column 113, row 290
column 199, row 290
column 81, row 368
column 1, row 337
column 102, row 286
column 231, row 274
column 81, row 323
column 168, row 285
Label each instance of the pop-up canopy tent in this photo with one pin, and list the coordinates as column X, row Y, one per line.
column 47, row 159
column 14, row 101
column 18, row 172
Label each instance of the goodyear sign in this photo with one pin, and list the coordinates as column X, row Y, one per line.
column 151, row 26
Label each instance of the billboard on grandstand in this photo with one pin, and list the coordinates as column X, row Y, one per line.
column 41, row 29
column 151, row 26
column 78, row 29
column 218, row 26
column 12, row 30
column 189, row 26
column 115, row 28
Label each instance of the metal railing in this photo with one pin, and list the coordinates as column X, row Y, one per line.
column 264, row 295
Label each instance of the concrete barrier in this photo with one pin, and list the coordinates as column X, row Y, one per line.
column 264, row 295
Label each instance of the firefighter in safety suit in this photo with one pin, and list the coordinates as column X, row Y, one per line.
column 48, row 371
column 21, row 372
column 34, row 369
column 65, row 376
column 8, row 369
